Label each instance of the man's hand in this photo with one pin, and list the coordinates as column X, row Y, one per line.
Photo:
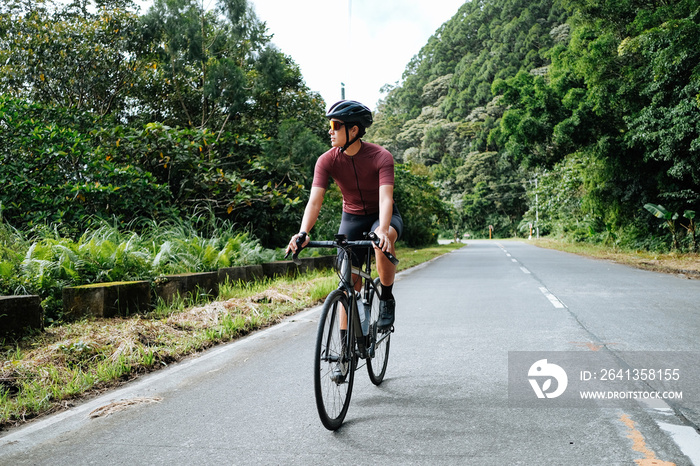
column 297, row 242
column 385, row 242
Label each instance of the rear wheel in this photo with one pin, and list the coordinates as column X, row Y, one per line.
column 376, row 367
column 334, row 366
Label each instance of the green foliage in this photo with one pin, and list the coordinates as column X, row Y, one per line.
column 47, row 263
column 691, row 229
column 12, row 245
column 242, row 179
column 667, row 127
column 70, row 56
column 445, row 116
column 421, row 208
column 201, row 61
column 53, row 173
column 329, row 218
column 669, row 219
column 598, row 98
column 108, row 115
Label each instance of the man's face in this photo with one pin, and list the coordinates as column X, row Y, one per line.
column 337, row 133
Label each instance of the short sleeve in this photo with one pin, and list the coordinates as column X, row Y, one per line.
column 386, row 169
column 322, row 172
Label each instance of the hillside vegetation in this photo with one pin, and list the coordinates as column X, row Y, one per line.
column 574, row 113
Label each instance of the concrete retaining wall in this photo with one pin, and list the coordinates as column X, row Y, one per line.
column 187, row 285
column 19, row 314
column 124, row 298
column 107, row 299
column 280, row 269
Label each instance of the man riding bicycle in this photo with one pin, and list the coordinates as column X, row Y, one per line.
column 364, row 173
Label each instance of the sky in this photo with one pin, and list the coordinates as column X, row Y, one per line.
column 364, row 44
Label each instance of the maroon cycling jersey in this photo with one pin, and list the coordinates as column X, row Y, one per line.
column 358, row 177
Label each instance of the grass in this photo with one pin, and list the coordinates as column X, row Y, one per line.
column 673, row 262
column 49, row 371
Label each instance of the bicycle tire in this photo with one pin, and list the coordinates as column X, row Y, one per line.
column 332, row 395
column 376, row 366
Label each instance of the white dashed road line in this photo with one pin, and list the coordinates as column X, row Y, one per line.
column 552, row 299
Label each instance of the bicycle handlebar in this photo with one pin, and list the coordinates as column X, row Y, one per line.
column 340, row 242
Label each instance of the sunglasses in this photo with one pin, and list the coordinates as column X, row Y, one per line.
column 336, row 125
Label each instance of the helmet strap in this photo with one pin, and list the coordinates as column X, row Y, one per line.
column 349, row 142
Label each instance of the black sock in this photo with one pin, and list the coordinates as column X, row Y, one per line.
column 386, row 292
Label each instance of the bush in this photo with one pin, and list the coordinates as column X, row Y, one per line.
column 48, row 263
column 55, row 173
column 420, row 205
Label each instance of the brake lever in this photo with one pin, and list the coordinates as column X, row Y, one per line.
column 295, row 256
column 375, row 239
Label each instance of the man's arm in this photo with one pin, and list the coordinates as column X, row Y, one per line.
column 386, row 207
column 313, row 208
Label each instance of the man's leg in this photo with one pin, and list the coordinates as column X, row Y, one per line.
column 387, row 273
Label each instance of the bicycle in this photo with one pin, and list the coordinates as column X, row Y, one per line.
column 344, row 338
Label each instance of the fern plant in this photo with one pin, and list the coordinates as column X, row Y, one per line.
column 48, row 263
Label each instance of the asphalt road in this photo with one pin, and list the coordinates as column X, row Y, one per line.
column 446, row 398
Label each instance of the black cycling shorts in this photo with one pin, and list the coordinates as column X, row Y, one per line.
column 354, row 227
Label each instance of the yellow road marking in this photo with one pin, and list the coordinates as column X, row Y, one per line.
column 640, row 445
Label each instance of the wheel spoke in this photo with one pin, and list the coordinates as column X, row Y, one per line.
column 376, row 367
column 334, row 374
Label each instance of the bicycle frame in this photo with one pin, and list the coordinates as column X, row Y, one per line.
column 340, row 341
column 365, row 343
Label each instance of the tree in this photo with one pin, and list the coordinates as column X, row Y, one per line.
column 69, row 56
column 201, row 62
column 53, row 173
column 667, row 129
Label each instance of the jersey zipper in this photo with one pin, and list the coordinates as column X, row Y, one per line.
column 357, row 180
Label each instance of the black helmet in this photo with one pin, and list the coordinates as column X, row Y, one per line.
column 350, row 111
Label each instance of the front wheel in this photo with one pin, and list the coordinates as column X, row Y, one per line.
column 376, row 366
column 334, row 366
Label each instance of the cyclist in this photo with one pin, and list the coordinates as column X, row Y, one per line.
column 364, row 173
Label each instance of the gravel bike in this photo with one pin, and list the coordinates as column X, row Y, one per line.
column 343, row 338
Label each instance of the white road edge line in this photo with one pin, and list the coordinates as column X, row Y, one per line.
column 685, row 437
